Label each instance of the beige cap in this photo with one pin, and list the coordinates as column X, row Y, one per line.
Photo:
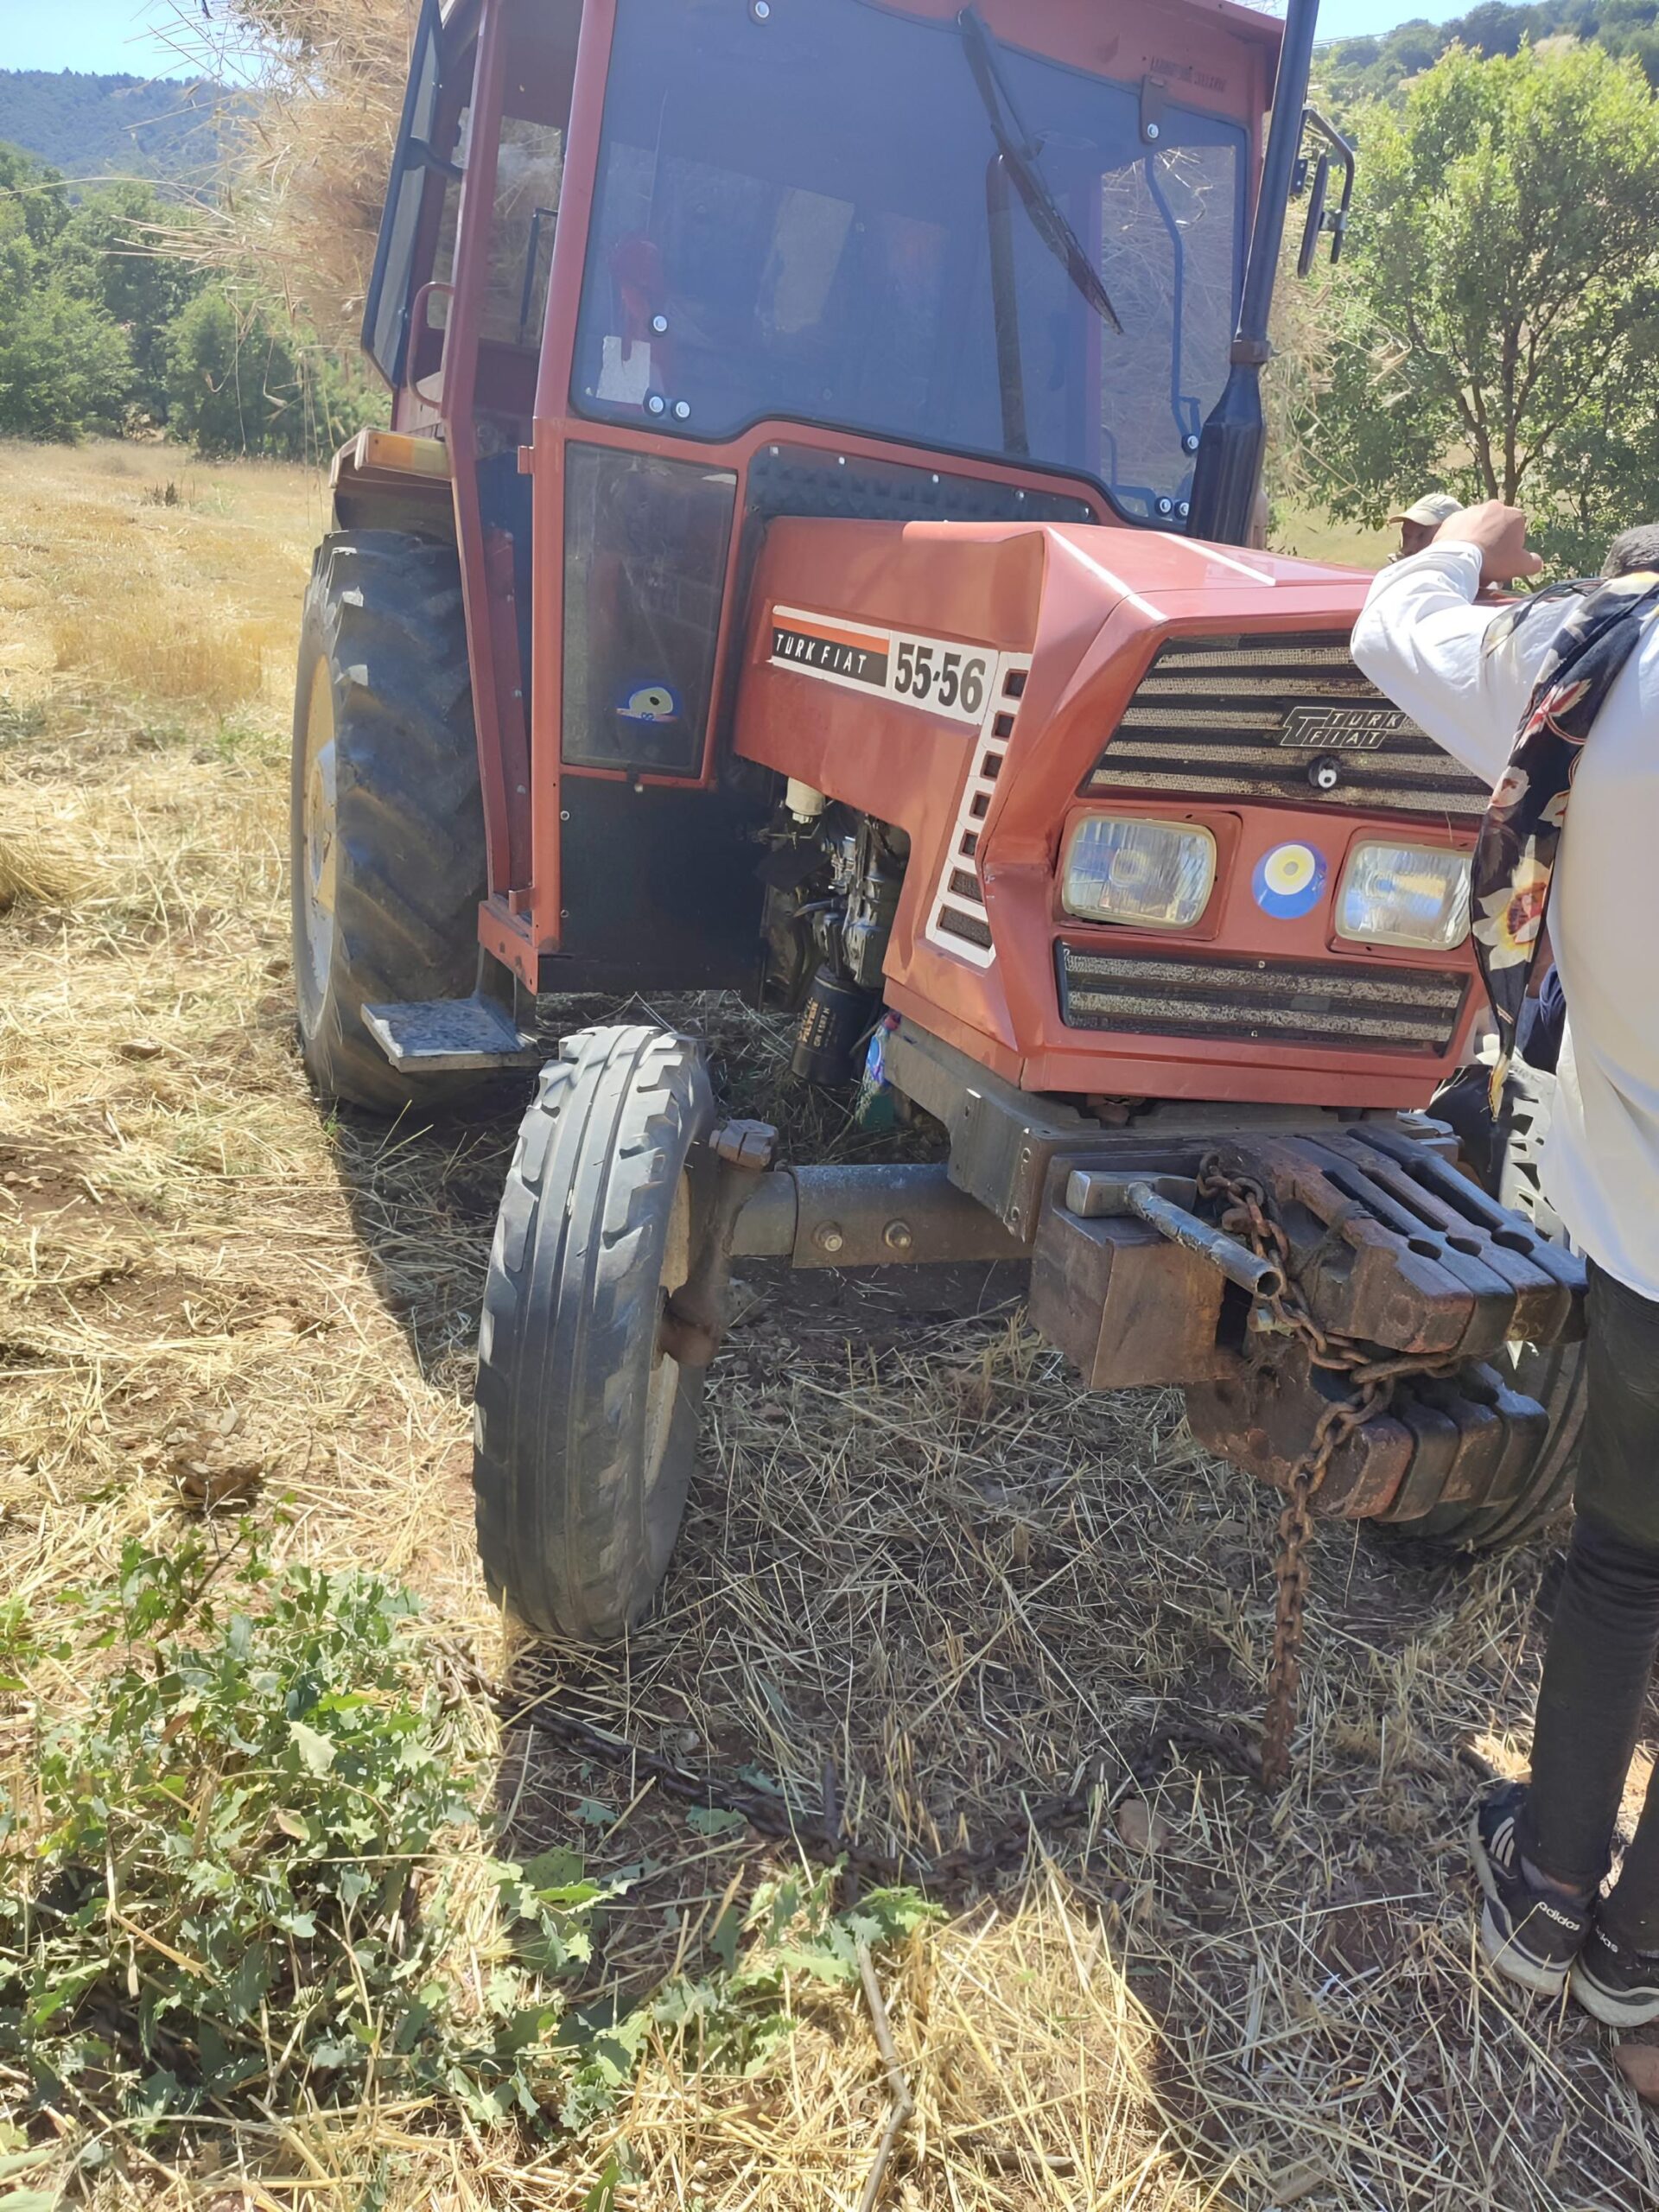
column 1432, row 510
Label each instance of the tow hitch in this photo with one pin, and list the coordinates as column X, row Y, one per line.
column 1391, row 1246
column 1147, row 1267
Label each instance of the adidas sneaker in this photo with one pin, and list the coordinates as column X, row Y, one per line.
column 1614, row 1983
column 1531, row 1934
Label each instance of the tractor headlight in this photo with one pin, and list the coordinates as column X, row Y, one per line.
column 1157, row 874
column 1405, row 894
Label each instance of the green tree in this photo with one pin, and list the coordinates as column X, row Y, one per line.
column 65, row 366
column 109, row 250
column 34, row 196
column 234, row 382
column 1493, row 321
column 98, row 322
column 1348, row 70
column 243, row 379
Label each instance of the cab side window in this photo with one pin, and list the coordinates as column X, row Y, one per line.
column 424, row 173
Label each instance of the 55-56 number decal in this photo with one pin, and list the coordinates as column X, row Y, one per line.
column 928, row 672
column 941, row 673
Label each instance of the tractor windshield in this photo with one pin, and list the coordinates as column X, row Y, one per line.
column 803, row 213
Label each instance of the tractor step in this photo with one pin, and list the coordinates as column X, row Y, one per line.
column 438, row 1034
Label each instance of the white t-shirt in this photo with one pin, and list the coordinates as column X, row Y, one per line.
column 1421, row 640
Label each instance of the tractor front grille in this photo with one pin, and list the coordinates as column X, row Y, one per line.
column 1288, row 718
column 1265, row 1001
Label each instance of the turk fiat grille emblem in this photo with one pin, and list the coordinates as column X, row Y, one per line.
column 1344, row 729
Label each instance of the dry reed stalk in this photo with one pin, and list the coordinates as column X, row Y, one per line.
column 298, row 207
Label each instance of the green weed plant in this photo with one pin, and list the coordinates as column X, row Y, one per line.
column 256, row 1872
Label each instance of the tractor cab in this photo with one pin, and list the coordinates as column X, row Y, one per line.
column 655, row 274
column 814, row 554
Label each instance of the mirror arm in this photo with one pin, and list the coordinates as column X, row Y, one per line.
column 1315, row 222
column 418, row 153
column 1341, row 150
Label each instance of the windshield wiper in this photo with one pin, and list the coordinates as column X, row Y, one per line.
column 1020, row 152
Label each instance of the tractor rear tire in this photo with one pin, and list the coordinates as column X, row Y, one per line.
column 387, row 818
column 1552, row 1374
column 586, row 1431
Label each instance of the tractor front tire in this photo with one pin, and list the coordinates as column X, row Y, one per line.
column 387, row 818
column 586, row 1431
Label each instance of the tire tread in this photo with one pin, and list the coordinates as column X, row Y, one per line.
column 386, row 610
column 571, row 1305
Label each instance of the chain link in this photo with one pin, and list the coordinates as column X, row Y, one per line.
column 1246, row 1213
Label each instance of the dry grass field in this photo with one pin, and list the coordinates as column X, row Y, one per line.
column 915, row 1555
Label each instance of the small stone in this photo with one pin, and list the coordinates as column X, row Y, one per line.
column 1639, row 2063
column 141, row 1048
column 204, row 1487
column 1139, row 1828
column 1295, row 2184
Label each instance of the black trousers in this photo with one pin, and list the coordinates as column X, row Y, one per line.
column 1604, row 1637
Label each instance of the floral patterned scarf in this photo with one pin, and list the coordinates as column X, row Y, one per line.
column 1515, row 857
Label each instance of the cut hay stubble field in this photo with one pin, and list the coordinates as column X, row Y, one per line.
column 915, row 1553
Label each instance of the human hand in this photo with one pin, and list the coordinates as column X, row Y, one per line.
column 1501, row 534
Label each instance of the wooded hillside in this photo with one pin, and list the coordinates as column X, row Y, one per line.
column 1361, row 69
column 87, row 125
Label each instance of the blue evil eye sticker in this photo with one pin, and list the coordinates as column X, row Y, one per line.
column 1287, row 882
column 649, row 702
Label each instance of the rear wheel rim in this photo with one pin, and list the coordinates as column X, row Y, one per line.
column 319, row 859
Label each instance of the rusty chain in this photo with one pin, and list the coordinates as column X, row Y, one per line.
column 1372, row 1374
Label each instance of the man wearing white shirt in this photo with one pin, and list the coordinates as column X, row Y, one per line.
column 1466, row 672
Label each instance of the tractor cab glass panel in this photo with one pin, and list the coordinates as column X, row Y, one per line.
column 410, row 303
column 806, row 217
column 645, row 571
column 528, row 169
column 537, row 80
column 416, row 179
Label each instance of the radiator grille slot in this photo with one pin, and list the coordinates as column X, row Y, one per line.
column 1252, row 718
column 1269, row 1001
column 969, row 927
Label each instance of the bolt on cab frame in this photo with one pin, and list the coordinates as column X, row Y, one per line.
column 810, row 557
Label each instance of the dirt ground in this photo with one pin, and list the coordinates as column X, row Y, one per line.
column 915, row 1555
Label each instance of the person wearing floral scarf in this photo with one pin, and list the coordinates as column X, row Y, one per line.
column 1554, row 700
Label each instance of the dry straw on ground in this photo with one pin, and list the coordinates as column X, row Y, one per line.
column 915, row 1555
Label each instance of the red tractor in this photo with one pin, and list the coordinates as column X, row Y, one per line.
column 812, row 558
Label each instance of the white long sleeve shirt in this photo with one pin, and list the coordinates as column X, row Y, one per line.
column 1422, row 640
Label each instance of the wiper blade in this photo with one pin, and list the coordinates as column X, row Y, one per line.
column 1020, row 152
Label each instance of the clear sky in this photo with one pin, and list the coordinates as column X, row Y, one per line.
column 108, row 36
column 1357, row 18
column 129, row 34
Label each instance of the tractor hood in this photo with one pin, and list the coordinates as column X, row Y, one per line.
column 879, row 609
column 985, row 687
